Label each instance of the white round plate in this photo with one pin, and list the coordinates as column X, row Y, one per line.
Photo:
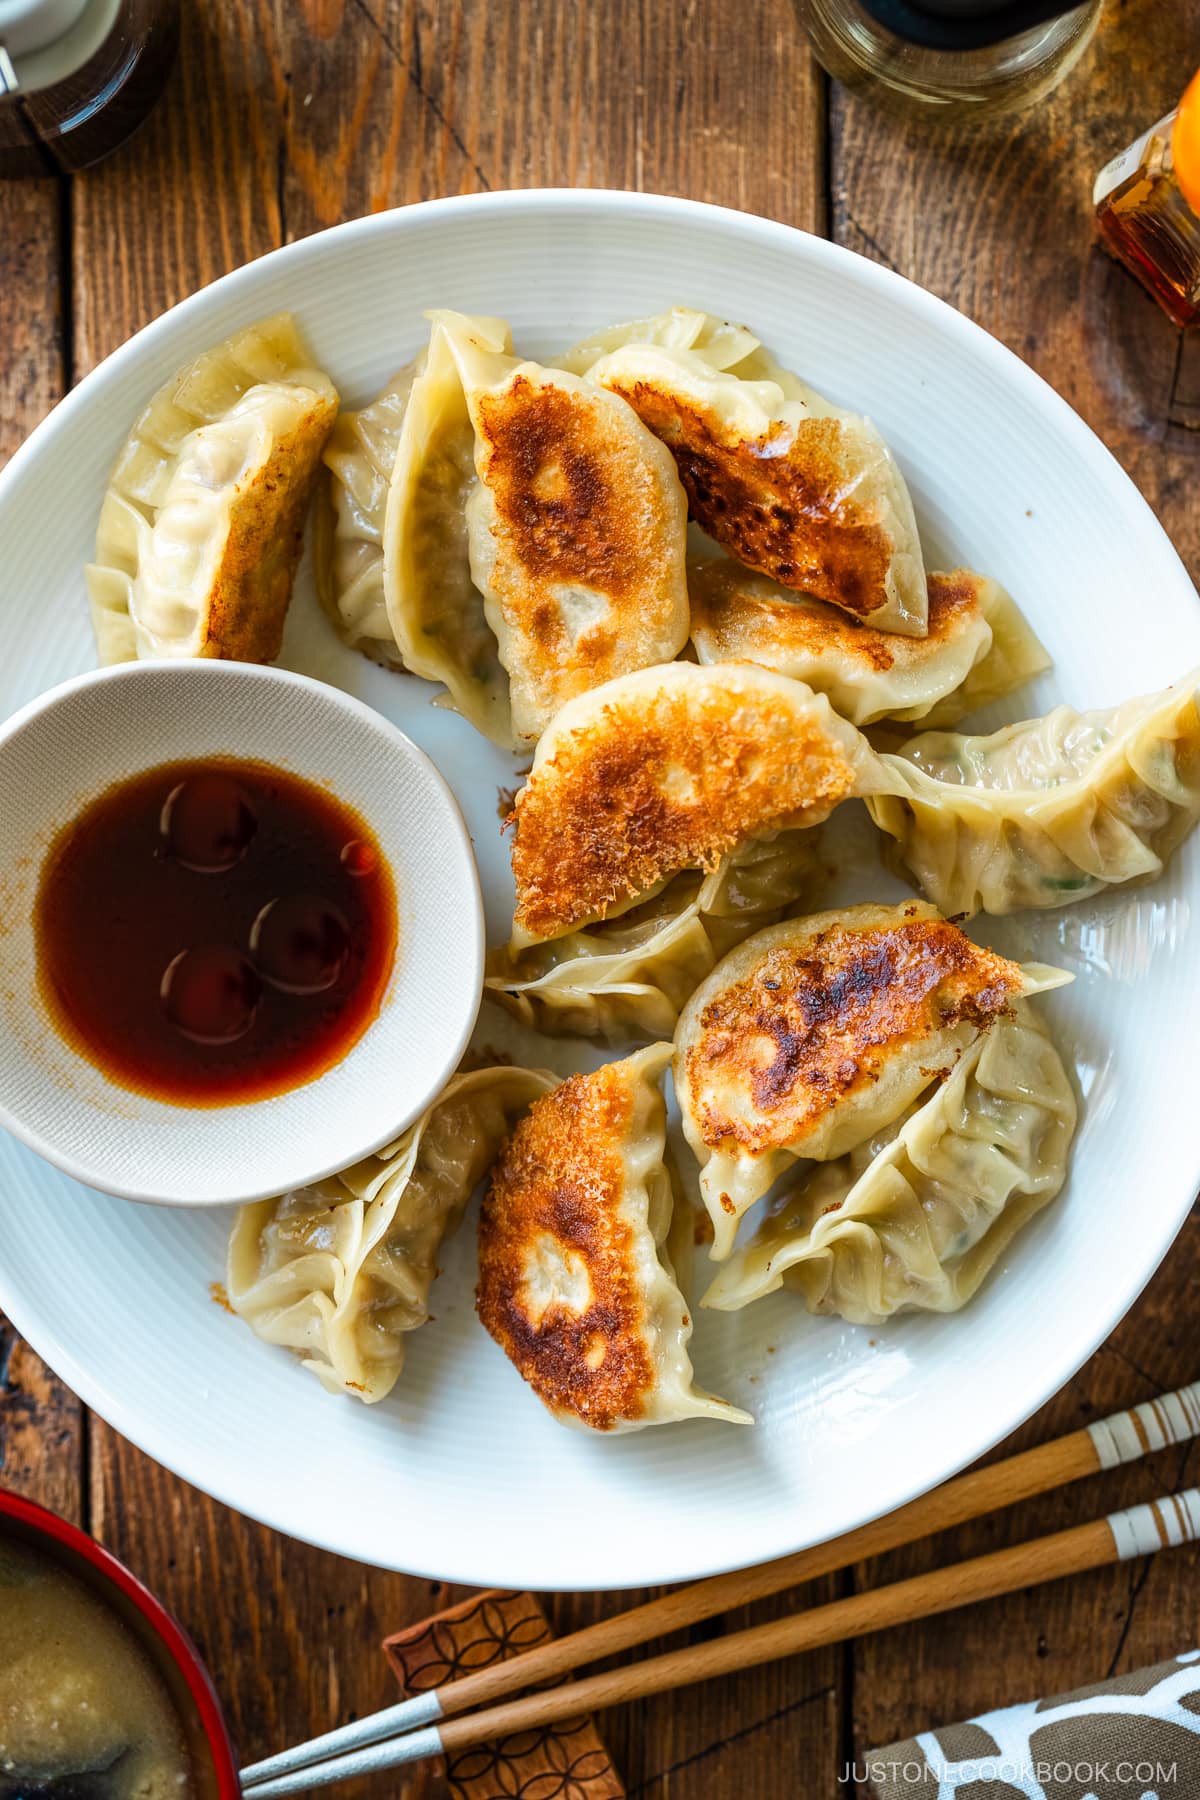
column 461, row 1474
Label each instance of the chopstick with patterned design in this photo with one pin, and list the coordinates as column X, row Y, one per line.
column 1138, row 1531
column 1121, row 1438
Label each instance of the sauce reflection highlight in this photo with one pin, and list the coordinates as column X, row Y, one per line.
column 215, row 932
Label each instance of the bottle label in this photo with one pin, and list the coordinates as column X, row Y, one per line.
column 1128, row 162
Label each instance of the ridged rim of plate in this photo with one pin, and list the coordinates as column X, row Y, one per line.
column 471, row 1567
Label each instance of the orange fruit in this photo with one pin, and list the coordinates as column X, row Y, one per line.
column 1185, row 145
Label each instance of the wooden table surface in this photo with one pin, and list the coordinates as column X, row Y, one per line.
column 284, row 116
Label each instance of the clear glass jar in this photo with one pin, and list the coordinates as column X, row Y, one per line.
column 973, row 81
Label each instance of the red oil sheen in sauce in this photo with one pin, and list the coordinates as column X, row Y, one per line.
column 215, row 932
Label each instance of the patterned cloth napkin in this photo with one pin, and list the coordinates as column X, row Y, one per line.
column 1134, row 1738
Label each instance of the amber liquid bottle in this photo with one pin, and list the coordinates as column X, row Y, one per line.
column 1148, row 209
column 77, row 77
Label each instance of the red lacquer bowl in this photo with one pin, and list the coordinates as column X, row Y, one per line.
column 172, row 1651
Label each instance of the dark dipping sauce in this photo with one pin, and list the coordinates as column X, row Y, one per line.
column 215, row 932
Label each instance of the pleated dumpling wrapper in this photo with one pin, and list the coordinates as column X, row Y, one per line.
column 918, row 1215
column 1048, row 811
column 202, row 524
column 340, row 1272
column 625, row 979
column 816, row 1033
column 527, row 493
column 671, row 768
column 348, row 519
column 788, row 483
column 978, row 647
column 576, row 1282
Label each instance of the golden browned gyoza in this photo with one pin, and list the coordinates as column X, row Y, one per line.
column 576, row 1282
column 202, row 523
column 816, row 1033
column 978, row 648
column 918, row 1214
column 670, row 768
column 793, row 486
column 531, row 507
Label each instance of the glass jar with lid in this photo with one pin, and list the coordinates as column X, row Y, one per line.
column 949, row 59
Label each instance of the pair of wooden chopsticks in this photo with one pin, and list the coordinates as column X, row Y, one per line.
column 410, row 1731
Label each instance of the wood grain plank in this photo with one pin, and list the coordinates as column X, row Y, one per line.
column 41, row 1422
column 461, row 97
column 1001, row 226
column 31, row 341
column 194, row 194
column 41, row 1430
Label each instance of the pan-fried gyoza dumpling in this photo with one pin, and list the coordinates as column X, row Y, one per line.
column 628, row 976
column 339, row 1272
column 815, row 1033
column 348, row 519
column 918, row 1216
column 1048, row 811
column 575, row 1279
column 978, row 647
column 790, row 484
column 572, row 529
column 202, row 524
column 576, row 529
column 670, row 768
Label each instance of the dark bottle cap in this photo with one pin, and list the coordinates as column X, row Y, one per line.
column 964, row 24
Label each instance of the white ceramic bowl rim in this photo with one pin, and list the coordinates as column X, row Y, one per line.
column 387, row 1125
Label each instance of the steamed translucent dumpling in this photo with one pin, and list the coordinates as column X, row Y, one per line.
column 788, row 483
column 668, row 769
column 340, row 1272
column 568, row 531
column 978, row 647
column 918, row 1215
column 815, row 1033
column 202, row 524
column 576, row 1283
column 435, row 610
column 1048, row 811
column 722, row 344
column 348, row 521
column 627, row 977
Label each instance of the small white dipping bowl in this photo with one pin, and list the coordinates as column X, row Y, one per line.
column 63, row 750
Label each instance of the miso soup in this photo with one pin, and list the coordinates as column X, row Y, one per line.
column 84, row 1713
